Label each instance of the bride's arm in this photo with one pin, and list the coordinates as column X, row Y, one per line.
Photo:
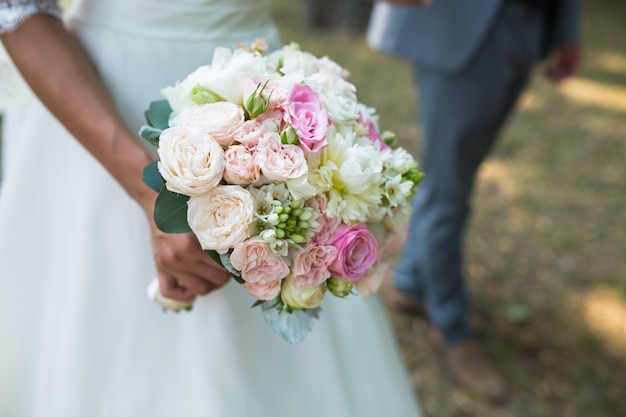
column 61, row 75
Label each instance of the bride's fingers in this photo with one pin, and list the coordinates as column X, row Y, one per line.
column 195, row 284
column 172, row 288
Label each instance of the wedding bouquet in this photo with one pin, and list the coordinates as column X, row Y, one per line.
column 283, row 176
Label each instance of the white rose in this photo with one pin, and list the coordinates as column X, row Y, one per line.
column 219, row 120
column 225, row 76
column 295, row 61
column 221, row 218
column 306, row 296
column 191, row 162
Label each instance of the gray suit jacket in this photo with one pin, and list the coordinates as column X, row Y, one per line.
column 445, row 35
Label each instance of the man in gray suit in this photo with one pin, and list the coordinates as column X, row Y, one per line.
column 472, row 59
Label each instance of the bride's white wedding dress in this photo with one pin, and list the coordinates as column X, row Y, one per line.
column 78, row 335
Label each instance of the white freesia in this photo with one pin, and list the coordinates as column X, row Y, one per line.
column 226, row 76
column 191, row 162
column 220, row 219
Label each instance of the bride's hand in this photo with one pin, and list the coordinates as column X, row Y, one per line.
column 184, row 270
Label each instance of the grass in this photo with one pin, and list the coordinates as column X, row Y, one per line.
column 546, row 244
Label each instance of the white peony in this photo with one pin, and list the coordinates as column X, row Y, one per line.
column 221, row 120
column 221, row 218
column 226, row 76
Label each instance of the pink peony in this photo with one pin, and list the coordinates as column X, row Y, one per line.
column 257, row 263
column 240, row 166
column 305, row 113
column 311, row 265
column 252, row 130
column 280, row 162
column 357, row 251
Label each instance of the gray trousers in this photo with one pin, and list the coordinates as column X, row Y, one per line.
column 461, row 116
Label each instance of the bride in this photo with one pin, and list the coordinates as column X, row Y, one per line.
column 78, row 249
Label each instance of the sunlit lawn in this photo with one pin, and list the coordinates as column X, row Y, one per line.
column 546, row 246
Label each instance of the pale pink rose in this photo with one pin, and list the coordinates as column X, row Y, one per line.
column 357, row 251
column 257, row 263
column 252, row 130
column 272, row 115
column 220, row 120
column 221, row 218
column 280, row 162
column 190, row 161
column 328, row 227
column 240, row 166
column 305, row 113
column 262, row 290
column 374, row 278
column 310, row 266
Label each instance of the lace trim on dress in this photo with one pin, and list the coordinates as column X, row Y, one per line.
column 15, row 12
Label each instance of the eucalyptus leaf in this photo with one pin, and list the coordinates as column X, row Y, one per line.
column 150, row 134
column 170, row 212
column 152, row 177
column 292, row 326
column 158, row 114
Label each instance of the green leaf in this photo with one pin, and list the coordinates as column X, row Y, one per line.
column 150, row 134
column 152, row 177
column 170, row 212
column 158, row 114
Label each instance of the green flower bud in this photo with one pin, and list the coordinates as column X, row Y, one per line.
column 306, row 215
column 203, row 95
column 286, row 209
column 278, row 209
column 297, row 212
column 289, row 136
column 283, row 217
column 303, row 225
column 298, row 238
column 339, row 287
column 280, row 233
column 257, row 103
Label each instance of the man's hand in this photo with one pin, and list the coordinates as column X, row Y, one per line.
column 563, row 63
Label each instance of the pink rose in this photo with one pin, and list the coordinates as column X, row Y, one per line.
column 257, row 263
column 280, row 162
column 240, row 166
column 311, row 265
column 274, row 91
column 305, row 113
column 252, row 130
column 357, row 251
column 262, row 290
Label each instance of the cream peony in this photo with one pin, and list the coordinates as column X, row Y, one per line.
column 221, row 218
column 219, row 120
column 191, row 162
column 305, row 296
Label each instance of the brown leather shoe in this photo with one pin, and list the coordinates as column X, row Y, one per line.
column 404, row 303
column 470, row 368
